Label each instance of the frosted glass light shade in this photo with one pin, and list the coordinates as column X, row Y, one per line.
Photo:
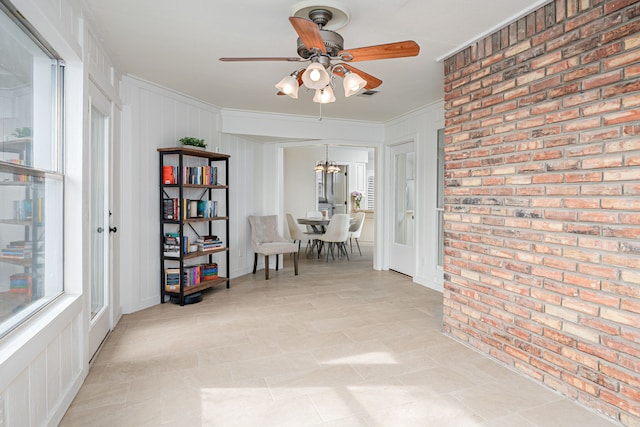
column 352, row 84
column 324, row 96
column 315, row 76
column 289, row 86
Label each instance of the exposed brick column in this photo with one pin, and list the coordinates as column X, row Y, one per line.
column 542, row 208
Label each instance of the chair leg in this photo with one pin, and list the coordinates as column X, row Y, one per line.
column 358, row 244
column 266, row 267
column 351, row 244
column 344, row 248
column 277, row 261
column 255, row 262
column 295, row 262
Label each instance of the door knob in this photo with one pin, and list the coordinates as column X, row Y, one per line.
column 113, row 229
column 100, row 229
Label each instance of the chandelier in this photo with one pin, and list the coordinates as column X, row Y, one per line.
column 326, row 166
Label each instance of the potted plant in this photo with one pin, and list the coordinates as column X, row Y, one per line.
column 195, row 142
column 22, row 132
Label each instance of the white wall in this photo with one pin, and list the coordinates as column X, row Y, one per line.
column 421, row 127
column 156, row 117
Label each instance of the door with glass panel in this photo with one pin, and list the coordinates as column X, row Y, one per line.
column 99, row 149
column 402, row 197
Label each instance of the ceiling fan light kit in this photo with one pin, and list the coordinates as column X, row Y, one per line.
column 289, row 85
column 315, row 76
column 324, row 95
column 319, row 45
column 352, row 83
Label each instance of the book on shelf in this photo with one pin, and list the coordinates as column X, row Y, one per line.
column 22, row 209
column 200, row 175
column 193, row 208
column 169, row 175
column 186, row 244
column 191, row 276
column 190, row 208
column 20, row 283
column 38, row 210
column 168, row 208
column 199, row 209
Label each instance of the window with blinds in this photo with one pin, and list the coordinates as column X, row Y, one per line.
column 371, row 190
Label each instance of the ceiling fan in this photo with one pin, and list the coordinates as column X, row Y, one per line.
column 324, row 50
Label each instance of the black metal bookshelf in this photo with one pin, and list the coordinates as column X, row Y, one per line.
column 203, row 188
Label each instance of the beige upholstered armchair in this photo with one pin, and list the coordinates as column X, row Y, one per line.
column 266, row 241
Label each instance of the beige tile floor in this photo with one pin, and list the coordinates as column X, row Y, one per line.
column 338, row 345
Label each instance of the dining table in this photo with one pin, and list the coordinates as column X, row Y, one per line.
column 319, row 226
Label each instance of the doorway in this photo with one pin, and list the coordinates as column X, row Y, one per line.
column 402, row 230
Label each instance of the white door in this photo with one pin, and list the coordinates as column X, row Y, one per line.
column 100, row 289
column 340, row 191
column 402, row 230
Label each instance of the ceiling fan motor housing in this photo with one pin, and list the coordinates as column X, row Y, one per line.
column 333, row 42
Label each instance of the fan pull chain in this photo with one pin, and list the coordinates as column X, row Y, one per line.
column 320, row 118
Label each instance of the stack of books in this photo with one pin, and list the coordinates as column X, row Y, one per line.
column 210, row 271
column 172, row 244
column 172, row 279
column 209, row 243
column 19, row 249
column 20, row 284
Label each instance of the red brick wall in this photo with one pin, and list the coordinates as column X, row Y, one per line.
column 542, row 210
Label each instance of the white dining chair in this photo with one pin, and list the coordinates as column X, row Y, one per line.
column 298, row 235
column 355, row 230
column 336, row 235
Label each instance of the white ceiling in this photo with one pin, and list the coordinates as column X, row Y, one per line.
column 177, row 44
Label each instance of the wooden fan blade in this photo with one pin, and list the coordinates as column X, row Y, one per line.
column 309, row 33
column 266, row 58
column 381, row 51
column 372, row 82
